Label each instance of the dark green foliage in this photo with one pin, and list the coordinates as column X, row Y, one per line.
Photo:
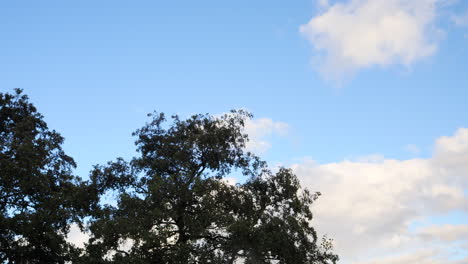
column 173, row 205
column 39, row 196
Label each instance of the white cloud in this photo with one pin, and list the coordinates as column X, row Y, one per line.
column 76, row 237
column 259, row 130
column 358, row 34
column 368, row 205
column 230, row 180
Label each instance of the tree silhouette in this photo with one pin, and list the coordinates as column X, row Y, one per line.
column 173, row 205
column 39, row 196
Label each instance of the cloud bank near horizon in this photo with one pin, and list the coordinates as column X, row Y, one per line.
column 380, row 211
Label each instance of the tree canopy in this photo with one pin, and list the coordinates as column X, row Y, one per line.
column 173, row 203
column 39, row 195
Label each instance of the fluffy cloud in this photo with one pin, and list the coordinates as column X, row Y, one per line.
column 370, row 206
column 259, row 131
column 358, row 34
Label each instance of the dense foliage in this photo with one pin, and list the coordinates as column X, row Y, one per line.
column 173, row 202
column 39, row 196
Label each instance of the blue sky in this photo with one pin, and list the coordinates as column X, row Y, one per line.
column 95, row 68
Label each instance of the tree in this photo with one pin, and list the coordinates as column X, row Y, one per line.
column 39, row 195
column 175, row 206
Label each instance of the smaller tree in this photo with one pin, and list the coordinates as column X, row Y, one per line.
column 39, row 195
column 174, row 206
